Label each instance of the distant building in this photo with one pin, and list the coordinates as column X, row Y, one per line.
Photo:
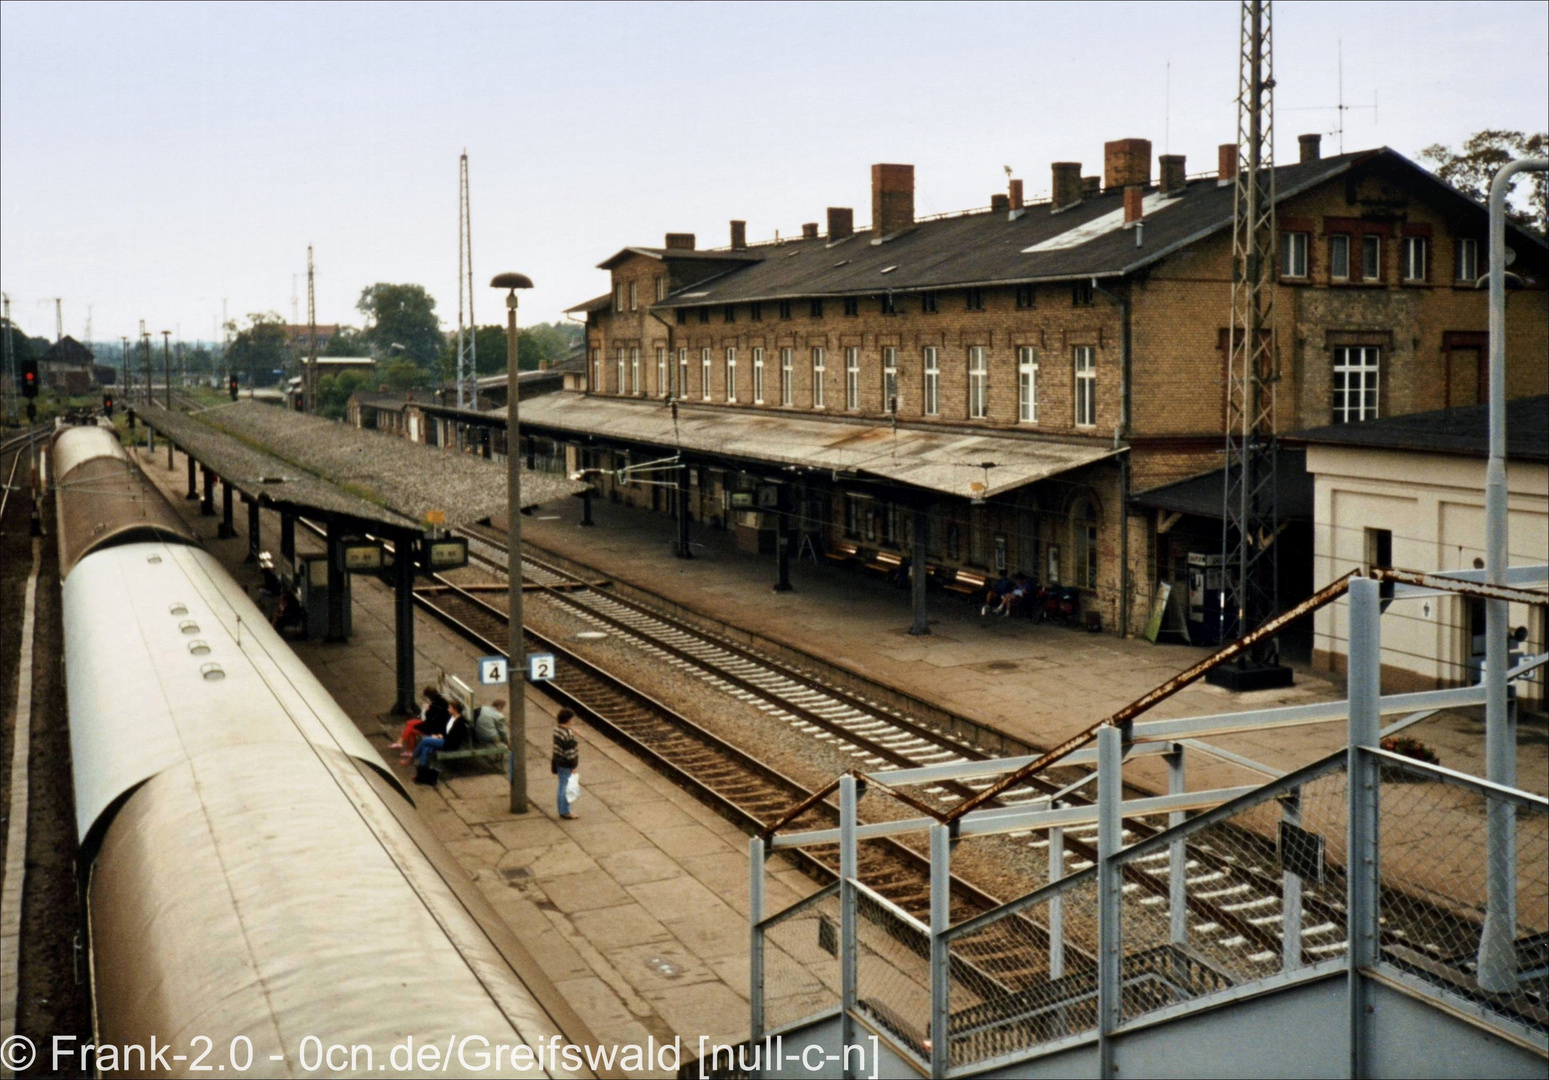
column 298, row 337
column 68, row 366
column 1408, row 492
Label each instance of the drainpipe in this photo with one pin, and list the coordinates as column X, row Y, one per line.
column 1122, row 435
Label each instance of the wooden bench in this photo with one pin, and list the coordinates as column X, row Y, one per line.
column 968, row 583
column 843, row 551
column 490, row 751
column 885, row 562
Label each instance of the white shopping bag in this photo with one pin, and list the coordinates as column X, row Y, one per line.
column 573, row 788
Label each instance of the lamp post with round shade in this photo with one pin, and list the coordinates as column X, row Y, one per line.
column 516, row 650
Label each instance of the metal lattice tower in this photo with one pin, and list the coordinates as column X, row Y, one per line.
column 1250, row 517
column 467, row 343
column 12, row 386
column 310, row 383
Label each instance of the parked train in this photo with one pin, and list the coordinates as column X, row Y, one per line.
column 260, row 894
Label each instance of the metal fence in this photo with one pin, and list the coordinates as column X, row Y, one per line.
column 797, row 950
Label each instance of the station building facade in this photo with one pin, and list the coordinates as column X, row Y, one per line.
column 1039, row 365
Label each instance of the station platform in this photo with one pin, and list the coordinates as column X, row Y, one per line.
column 1039, row 682
column 637, row 910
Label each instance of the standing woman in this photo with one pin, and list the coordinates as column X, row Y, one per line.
column 566, row 759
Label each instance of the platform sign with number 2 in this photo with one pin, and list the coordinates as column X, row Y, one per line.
column 540, row 666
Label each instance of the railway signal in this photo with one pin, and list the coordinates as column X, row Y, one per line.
column 231, row 387
column 107, row 406
column 29, row 378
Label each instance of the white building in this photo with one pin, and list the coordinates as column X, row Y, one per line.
column 1408, row 492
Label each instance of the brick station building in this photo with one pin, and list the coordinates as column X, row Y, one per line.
column 1032, row 381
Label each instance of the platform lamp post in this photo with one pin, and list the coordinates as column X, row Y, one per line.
column 516, row 649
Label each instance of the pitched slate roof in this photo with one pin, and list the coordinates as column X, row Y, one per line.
column 1464, row 431
column 1202, row 495
column 992, row 248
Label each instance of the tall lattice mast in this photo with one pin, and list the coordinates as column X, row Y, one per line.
column 310, row 384
column 467, row 343
column 1250, row 514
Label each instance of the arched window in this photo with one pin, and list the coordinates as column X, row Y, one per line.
column 1083, row 543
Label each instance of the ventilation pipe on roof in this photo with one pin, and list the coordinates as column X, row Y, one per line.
column 1174, row 178
column 739, row 236
column 1067, row 185
column 1311, row 146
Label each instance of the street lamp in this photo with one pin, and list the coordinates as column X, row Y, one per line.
column 516, row 647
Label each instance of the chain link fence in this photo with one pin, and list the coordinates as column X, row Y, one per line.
column 1433, row 891
column 1027, row 976
column 1227, row 899
column 801, row 960
column 892, row 971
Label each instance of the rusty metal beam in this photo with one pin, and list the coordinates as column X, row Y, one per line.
column 801, row 808
column 1329, row 592
column 1466, row 588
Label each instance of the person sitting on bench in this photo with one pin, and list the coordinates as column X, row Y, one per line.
column 489, row 723
column 996, row 594
column 455, row 738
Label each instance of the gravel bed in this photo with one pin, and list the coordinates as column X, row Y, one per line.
column 408, row 477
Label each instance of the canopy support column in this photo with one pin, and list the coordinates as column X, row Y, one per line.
column 403, row 603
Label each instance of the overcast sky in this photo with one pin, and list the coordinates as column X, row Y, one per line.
column 157, row 159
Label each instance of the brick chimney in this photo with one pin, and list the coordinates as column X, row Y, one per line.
column 1226, row 163
column 1091, row 187
column 892, row 198
column 1067, row 184
column 1133, row 196
column 1000, row 203
column 1174, row 179
column 680, row 241
column 841, row 222
column 1126, row 162
column 739, row 236
column 809, row 231
column 1014, row 193
column 1312, row 148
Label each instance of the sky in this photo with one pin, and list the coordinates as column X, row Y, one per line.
column 159, row 161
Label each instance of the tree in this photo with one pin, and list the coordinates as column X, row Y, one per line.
column 260, row 348
column 401, row 375
column 401, row 320
column 333, row 392
column 347, row 341
column 1471, row 170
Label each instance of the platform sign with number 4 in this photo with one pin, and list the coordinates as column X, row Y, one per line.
column 492, row 670
column 540, row 667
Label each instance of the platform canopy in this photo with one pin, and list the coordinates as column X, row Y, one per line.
column 945, row 462
column 411, row 478
column 264, row 477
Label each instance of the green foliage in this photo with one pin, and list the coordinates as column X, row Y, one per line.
column 401, row 375
column 21, row 344
column 541, row 342
column 403, row 316
column 1471, row 169
column 333, row 392
column 348, row 341
column 259, row 349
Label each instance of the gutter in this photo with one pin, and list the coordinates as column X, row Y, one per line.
column 1121, row 434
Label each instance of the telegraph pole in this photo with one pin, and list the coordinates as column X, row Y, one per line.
column 145, row 346
column 309, row 384
column 1250, row 511
column 10, row 357
column 467, row 349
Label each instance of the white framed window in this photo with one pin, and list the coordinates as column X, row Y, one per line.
column 758, row 375
column 619, row 386
column 1083, row 541
column 704, row 373
column 978, row 383
column 1086, row 385
column 787, row 377
column 1371, row 257
column 1356, row 370
column 1416, row 258
column 818, row 369
column 661, row 288
column 661, row 368
column 596, row 369
column 633, row 295
column 682, row 374
column 1468, row 260
column 890, row 379
column 635, row 385
column 852, row 378
column 1027, row 385
column 731, row 374
column 1339, row 257
column 1293, row 254
column 932, row 395
column 618, row 296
